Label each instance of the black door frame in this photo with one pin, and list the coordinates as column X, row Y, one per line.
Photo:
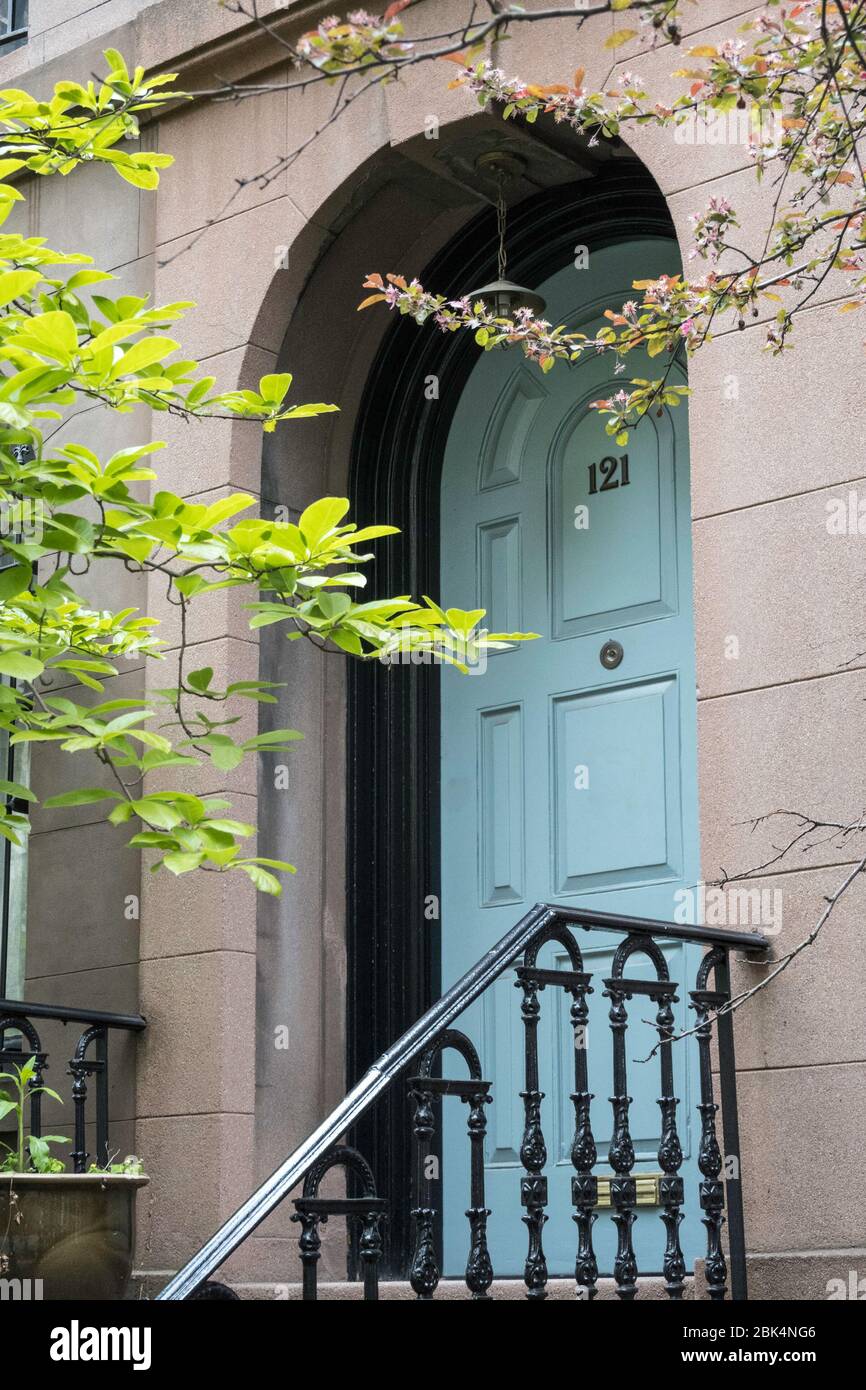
column 393, row 713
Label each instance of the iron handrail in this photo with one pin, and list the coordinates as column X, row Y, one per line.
column 414, row 1041
column 19, row 1008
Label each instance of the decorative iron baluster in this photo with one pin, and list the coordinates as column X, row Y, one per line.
column 80, row 1067
column 16, row 1055
column 584, row 1184
column 621, row 1156
column 310, row 1246
column 670, row 1155
column 424, row 1271
column 533, row 1151
column 370, row 1249
column 623, row 1192
column 312, row 1211
column 712, row 1192
column 474, row 1092
column 479, row 1270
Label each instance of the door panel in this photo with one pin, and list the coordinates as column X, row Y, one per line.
column 501, row 825
column 624, row 827
column 631, row 499
column 562, row 780
column 499, row 570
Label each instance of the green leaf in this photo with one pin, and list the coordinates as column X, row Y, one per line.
column 138, row 176
column 369, row 533
column 181, row 862
column 27, row 1072
column 84, row 796
column 333, row 606
column 156, row 813
column 265, row 882
column 17, row 790
column 201, row 679
column 115, row 62
column 226, row 507
column 52, row 335
column 273, row 388
column 621, row 36
column 307, row 411
column 271, row 863
column 47, row 1091
column 22, row 667
column 70, row 533
column 231, row 827
column 143, row 354
column 348, row 641
column 16, row 283
column 321, row 518
column 14, row 580
column 102, row 668
column 272, row 737
column 225, row 753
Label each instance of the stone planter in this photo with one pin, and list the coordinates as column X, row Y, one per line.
column 74, row 1231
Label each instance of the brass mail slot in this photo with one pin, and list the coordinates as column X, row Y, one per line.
column 647, row 1185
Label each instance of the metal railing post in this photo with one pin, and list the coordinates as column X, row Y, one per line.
column 731, row 1137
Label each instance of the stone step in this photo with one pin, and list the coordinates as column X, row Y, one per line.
column 450, row 1290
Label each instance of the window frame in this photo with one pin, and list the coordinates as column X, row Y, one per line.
column 15, row 14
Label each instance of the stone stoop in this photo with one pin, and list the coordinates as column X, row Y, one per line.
column 449, row 1290
column 454, row 1290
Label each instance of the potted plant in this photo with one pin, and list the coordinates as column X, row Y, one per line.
column 74, row 1232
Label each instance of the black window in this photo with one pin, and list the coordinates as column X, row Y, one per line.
column 13, row 24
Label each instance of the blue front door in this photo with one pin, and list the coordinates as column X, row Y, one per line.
column 566, row 779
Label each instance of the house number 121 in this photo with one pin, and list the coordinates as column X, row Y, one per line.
column 613, row 473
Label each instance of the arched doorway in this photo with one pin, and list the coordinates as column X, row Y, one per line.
column 396, row 956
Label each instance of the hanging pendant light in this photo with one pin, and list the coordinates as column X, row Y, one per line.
column 503, row 297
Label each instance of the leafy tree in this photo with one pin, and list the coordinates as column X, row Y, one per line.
column 793, row 85
column 63, row 341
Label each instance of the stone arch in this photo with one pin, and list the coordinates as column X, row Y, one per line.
column 397, row 212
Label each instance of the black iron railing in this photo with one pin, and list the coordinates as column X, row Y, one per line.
column 89, row 1059
column 432, row 1034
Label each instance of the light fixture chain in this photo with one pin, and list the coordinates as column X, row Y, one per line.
column 500, row 223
